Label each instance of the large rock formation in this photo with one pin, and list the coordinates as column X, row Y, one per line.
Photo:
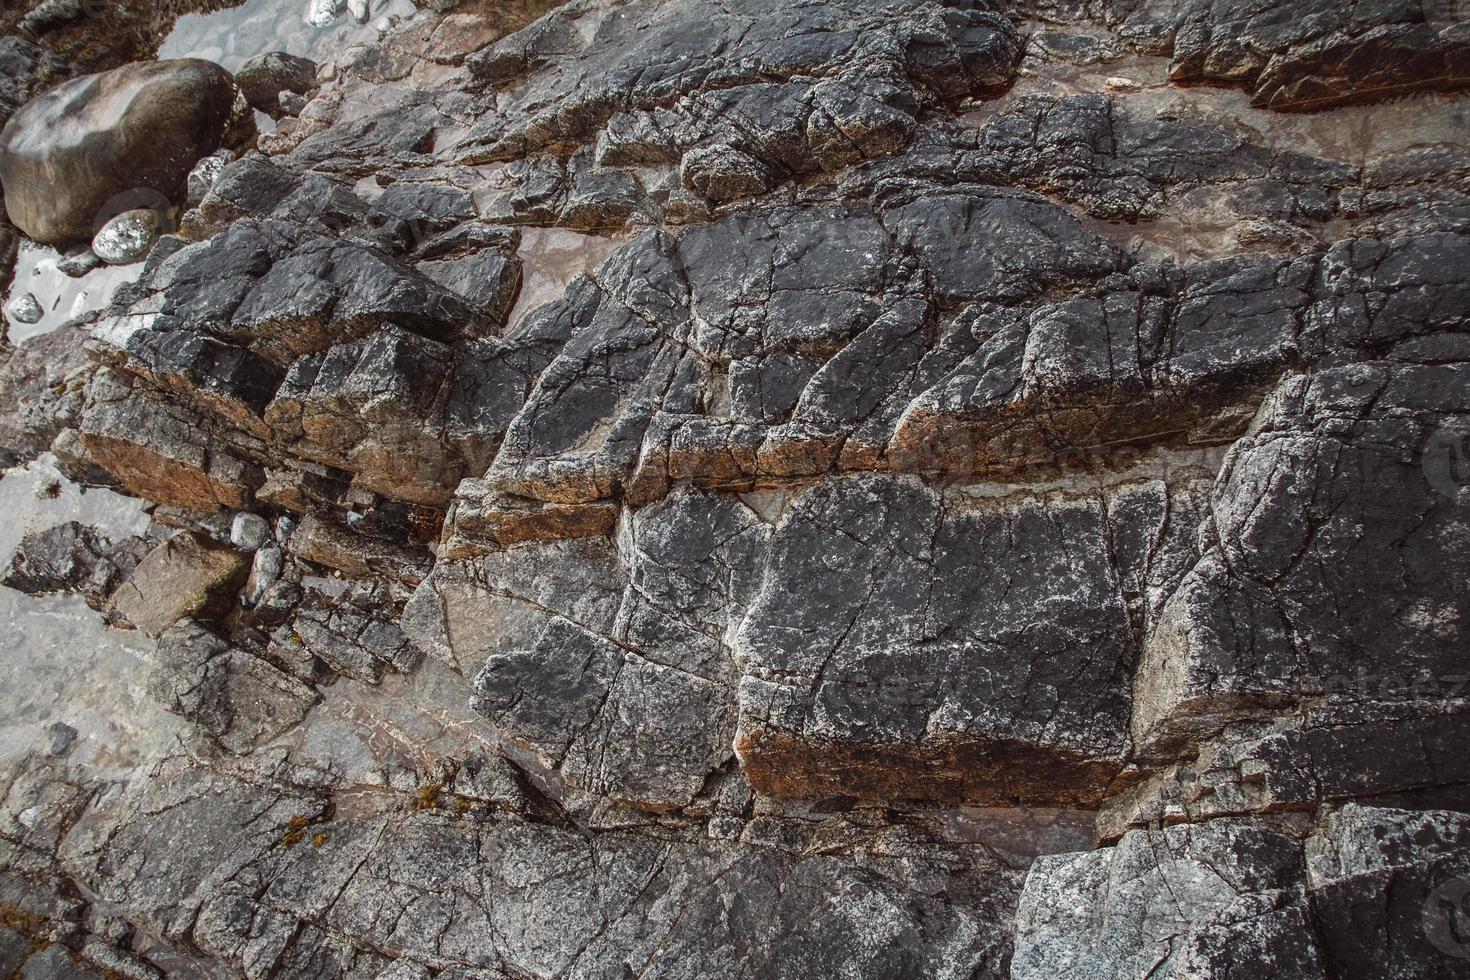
column 689, row 489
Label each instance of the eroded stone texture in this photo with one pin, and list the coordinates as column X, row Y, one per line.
column 1156, row 902
column 813, row 87
column 1303, row 57
column 1267, row 616
column 1368, row 893
column 684, row 489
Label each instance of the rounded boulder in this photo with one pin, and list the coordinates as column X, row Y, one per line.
column 93, row 147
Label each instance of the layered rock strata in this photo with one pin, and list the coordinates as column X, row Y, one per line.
column 683, row 489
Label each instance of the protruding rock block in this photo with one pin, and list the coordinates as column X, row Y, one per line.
column 905, row 644
column 1341, row 532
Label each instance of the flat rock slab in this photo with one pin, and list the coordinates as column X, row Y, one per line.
column 184, row 576
column 908, row 644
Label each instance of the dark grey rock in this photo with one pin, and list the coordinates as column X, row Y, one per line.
column 74, row 557
column 265, row 77
column 25, row 308
column 232, row 695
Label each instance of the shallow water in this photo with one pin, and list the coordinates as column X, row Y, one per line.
column 231, row 37
column 61, row 297
column 58, row 662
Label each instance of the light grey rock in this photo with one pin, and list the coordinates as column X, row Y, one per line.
column 127, row 238
column 321, row 13
column 265, row 570
column 1137, row 908
column 249, row 532
column 204, row 174
column 233, row 696
column 25, row 308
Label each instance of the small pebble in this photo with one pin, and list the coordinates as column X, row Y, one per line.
column 249, row 531
column 61, row 736
column 359, row 10
column 127, row 238
column 321, row 13
column 1120, row 84
column 265, row 572
column 25, row 309
column 80, row 264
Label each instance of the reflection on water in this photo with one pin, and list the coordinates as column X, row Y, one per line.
column 62, row 298
column 232, row 37
column 58, row 662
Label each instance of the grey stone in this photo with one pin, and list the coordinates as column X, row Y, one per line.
column 25, row 308
column 1099, row 914
column 80, row 264
column 265, row 77
column 74, row 557
column 249, row 532
column 204, row 174
column 186, row 575
column 126, row 238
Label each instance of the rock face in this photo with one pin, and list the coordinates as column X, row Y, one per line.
column 75, row 154
column 688, row 489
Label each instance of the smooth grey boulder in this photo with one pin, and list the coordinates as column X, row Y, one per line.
column 102, row 144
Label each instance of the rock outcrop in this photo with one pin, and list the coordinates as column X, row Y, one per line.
column 689, row 489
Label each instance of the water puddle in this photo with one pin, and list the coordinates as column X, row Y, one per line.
column 232, row 37
column 551, row 258
column 61, row 298
column 58, row 662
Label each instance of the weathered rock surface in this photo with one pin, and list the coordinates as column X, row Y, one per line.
column 1370, row 893
column 265, row 78
column 102, row 144
column 186, row 575
column 683, row 489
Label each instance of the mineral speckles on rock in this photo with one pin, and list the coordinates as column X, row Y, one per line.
column 25, row 308
column 690, row 489
column 126, row 238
